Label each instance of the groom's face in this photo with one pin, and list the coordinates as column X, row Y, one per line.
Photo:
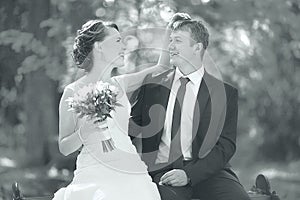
column 181, row 49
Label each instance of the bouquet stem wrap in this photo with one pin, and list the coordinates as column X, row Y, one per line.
column 105, row 137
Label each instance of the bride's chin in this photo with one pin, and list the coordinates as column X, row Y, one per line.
column 120, row 66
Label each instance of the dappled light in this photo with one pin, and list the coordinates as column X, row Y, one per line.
column 6, row 162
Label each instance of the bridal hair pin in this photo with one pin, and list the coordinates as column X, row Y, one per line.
column 88, row 26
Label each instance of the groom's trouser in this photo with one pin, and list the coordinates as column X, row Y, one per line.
column 222, row 186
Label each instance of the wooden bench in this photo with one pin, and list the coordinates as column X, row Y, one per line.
column 260, row 191
column 18, row 196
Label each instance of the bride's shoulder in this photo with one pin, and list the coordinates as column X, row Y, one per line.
column 68, row 91
column 70, row 88
column 118, row 81
column 118, row 78
column 74, row 86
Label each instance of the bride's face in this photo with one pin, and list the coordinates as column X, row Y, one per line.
column 112, row 48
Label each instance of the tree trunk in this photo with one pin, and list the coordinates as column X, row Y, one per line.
column 39, row 95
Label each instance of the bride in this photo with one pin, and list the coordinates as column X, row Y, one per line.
column 114, row 175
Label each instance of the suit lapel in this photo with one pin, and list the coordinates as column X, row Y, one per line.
column 165, row 88
column 164, row 92
column 199, row 109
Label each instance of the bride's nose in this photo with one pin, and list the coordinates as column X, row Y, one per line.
column 171, row 46
column 123, row 47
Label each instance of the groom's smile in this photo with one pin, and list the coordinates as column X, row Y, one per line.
column 183, row 53
column 173, row 53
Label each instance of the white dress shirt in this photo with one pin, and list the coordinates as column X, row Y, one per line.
column 187, row 113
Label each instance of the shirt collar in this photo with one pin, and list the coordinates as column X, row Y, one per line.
column 195, row 77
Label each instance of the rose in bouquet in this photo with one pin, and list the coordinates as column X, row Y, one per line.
column 96, row 101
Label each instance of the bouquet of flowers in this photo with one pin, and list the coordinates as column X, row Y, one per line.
column 96, row 101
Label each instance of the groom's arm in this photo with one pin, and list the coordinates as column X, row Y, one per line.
column 224, row 149
column 135, row 120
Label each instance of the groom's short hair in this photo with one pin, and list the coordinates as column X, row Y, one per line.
column 197, row 29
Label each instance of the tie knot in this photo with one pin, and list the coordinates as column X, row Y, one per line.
column 184, row 80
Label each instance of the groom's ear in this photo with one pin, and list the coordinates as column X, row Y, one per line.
column 198, row 48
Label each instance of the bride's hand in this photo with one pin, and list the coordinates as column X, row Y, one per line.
column 88, row 126
column 164, row 58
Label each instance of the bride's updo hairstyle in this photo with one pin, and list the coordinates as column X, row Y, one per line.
column 90, row 32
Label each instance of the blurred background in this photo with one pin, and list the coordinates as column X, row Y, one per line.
column 255, row 44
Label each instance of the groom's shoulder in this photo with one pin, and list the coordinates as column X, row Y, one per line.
column 153, row 77
column 229, row 88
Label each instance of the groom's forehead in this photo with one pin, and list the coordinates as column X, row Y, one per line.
column 180, row 34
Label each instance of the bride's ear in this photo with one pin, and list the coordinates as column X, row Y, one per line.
column 97, row 46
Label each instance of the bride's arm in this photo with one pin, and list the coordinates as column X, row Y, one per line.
column 69, row 140
column 164, row 57
column 134, row 80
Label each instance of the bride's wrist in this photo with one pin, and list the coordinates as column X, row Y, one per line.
column 103, row 125
column 78, row 133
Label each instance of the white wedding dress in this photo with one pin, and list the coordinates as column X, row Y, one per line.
column 116, row 175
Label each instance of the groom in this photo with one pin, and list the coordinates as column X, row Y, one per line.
column 187, row 120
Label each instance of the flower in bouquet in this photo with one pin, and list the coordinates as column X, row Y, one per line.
column 95, row 101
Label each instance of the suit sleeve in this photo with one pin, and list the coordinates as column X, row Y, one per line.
column 224, row 149
column 135, row 120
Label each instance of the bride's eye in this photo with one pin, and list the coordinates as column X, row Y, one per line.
column 119, row 40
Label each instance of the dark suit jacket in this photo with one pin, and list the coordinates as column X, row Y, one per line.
column 214, row 123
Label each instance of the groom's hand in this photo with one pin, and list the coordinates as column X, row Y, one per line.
column 175, row 177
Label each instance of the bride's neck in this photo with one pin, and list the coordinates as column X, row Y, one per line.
column 100, row 71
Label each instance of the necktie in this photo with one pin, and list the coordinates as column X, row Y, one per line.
column 175, row 155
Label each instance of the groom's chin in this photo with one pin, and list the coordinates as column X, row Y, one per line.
column 173, row 62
